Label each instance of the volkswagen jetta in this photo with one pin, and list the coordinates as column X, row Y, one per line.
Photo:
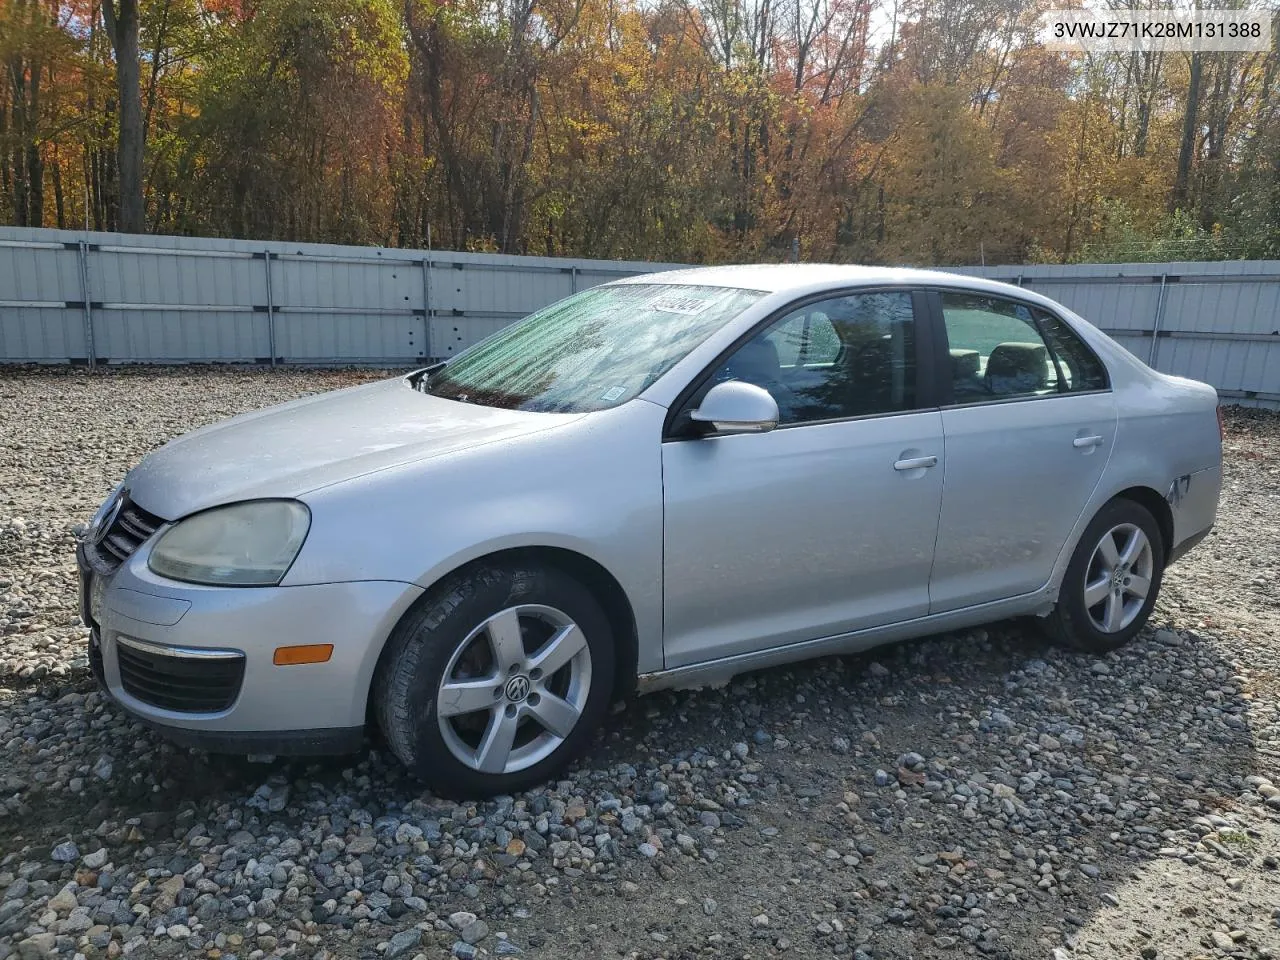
column 660, row 482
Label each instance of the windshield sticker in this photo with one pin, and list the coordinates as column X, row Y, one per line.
column 685, row 306
column 612, row 394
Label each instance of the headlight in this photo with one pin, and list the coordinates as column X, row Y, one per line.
column 248, row 544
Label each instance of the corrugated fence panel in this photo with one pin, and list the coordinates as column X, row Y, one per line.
column 1138, row 346
column 42, row 313
column 1237, row 365
column 304, row 282
column 69, row 296
column 1263, row 367
column 356, row 309
column 120, row 275
column 124, row 334
column 48, row 271
column 170, row 304
column 39, row 334
column 450, row 335
column 183, row 299
column 354, row 337
column 500, row 292
column 1251, row 308
column 1126, row 306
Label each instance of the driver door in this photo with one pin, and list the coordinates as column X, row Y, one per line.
column 826, row 524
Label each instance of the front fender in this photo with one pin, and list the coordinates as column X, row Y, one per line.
column 593, row 487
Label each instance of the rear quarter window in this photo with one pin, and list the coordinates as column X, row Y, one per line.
column 1079, row 365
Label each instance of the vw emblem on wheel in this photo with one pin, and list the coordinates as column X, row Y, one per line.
column 517, row 688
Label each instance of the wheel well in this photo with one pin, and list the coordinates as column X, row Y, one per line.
column 1158, row 507
column 603, row 587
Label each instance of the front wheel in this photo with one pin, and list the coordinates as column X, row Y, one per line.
column 1112, row 580
column 496, row 681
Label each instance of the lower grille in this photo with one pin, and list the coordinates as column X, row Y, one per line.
column 205, row 684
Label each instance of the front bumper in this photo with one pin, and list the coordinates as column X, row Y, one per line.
column 196, row 662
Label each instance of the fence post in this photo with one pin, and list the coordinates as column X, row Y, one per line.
column 573, row 279
column 82, row 253
column 1155, row 329
column 427, row 346
column 271, row 309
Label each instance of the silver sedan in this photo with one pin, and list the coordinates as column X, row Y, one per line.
column 660, row 482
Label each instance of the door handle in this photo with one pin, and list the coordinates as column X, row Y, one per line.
column 1084, row 442
column 915, row 463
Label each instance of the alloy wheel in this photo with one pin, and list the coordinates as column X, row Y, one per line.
column 514, row 689
column 1118, row 578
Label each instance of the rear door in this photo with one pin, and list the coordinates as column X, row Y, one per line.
column 1029, row 420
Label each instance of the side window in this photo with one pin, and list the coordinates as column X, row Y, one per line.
column 805, row 338
column 1080, row 368
column 997, row 351
column 846, row 357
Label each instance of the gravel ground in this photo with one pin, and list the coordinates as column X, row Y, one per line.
column 981, row 793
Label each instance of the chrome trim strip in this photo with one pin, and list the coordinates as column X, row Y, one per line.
column 193, row 653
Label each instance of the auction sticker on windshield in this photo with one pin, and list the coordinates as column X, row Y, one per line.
column 686, row 306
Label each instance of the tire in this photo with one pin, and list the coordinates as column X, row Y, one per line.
column 483, row 635
column 1093, row 574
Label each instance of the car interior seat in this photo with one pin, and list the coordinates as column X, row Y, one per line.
column 756, row 362
column 1016, row 368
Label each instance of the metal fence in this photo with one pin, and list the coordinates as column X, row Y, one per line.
column 72, row 297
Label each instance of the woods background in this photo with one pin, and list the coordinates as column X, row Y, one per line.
column 922, row 131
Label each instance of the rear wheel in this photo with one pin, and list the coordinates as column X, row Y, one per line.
column 496, row 681
column 1112, row 581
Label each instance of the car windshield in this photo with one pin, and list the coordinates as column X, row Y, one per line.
column 595, row 350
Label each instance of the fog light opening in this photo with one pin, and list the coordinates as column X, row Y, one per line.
column 305, row 653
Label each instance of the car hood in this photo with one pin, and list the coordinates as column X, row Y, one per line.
column 288, row 450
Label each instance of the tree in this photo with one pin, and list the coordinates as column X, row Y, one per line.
column 933, row 131
column 120, row 17
column 1186, row 150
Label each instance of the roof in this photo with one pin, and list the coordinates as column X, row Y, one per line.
column 801, row 277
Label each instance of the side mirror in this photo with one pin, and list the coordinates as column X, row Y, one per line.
column 737, row 407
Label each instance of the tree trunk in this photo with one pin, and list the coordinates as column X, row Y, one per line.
column 6, row 181
column 121, row 20
column 19, row 187
column 1185, row 153
column 23, row 134
column 35, row 162
column 59, row 201
column 1149, row 88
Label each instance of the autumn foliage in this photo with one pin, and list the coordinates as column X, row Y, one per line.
column 926, row 131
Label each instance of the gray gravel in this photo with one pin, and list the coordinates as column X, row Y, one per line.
column 974, row 794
